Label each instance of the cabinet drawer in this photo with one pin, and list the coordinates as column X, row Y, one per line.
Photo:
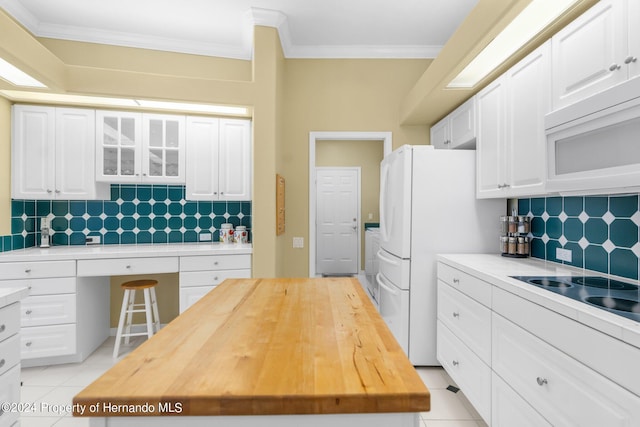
column 57, row 285
column 191, row 295
column 48, row 310
column 9, row 320
column 564, row 391
column 215, row 262
column 467, row 319
column 47, row 341
column 508, row 409
column 33, row 270
column 466, row 369
column 125, row 266
column 9, row 353
column 210, row 278
column 10, row 392
column 469, row 285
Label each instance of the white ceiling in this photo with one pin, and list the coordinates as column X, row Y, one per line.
column 308, row 28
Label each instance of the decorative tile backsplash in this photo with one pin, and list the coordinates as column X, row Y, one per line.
column 135, row 214
column 601, row 231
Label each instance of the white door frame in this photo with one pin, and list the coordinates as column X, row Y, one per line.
column 358, row 171
column 386, row 139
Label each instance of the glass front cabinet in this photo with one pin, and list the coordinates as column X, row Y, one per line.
column 137, row 147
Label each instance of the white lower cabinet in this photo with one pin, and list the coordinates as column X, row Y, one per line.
column 200, row 274
column 544, row 368
column 563, row 390
column 9, row 361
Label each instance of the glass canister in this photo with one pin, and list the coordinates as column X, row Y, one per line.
column 226, row 233
column 241, row 235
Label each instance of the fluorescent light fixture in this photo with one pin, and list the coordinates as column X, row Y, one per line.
column 531, row 21
column 16, row 76
column 62, row 98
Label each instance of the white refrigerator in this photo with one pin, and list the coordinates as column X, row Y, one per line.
column 428, row 206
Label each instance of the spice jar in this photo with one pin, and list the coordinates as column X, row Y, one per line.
column 524, row 224
column 504, row 224
column 513, row 224
column 504, row 244
column 523, row 245
column 512, row 247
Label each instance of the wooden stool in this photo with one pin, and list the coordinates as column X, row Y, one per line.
column 129, row 307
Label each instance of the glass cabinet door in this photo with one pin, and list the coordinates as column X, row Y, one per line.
column 164, row 155
column 118, row 139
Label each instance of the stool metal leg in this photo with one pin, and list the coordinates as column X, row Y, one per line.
column 123, row 311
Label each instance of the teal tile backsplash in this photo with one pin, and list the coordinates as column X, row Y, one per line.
column 601, row 231
column 135, row 214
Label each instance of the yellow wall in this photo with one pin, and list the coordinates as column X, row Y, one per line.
column 364, row 154
column 5, row 167
column 336, row 95
column 166, row 293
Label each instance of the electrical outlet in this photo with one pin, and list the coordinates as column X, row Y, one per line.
column 92, row 240
column 298, row 242
column 563, row 254
column 205, row 237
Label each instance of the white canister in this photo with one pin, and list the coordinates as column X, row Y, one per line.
column 241, row 235
column 226, row 233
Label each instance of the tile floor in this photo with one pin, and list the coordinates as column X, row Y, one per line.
column 56, row 385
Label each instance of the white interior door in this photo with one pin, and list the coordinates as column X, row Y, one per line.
column 337, row 221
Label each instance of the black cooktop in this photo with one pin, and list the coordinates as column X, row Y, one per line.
column 614, row 296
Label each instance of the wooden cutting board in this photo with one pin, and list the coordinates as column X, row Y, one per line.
column 267, row 346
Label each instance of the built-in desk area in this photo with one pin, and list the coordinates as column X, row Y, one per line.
column 66, row 316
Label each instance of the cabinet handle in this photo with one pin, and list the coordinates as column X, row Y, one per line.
column 3, row 327
column 455, row 363
column 456, row 281
column 28, row 270
column 29, row 311
column 541, row 381
column 456, row 314
column 28, row 343
column 49, row 191
column 215, row 263
column 2, row 362
column 447, row 142
column 614, row 67
column 128, row 266
column 57, row 191
column 215, row 278
column 630, row 59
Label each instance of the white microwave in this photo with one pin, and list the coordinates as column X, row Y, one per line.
column 593, row 146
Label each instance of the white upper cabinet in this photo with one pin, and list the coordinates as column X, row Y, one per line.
column 596, row 51
column 53, row 154
column 134, row 147
column 219, row 159
column 458, row 129
column 118, row 146
column 511, row 135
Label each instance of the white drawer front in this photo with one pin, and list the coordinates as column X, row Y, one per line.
column 215, row 262
column 190, row 295
column 38, row 269
column 466, row 369
column 394, row 269
column 469, row 285
column 58, row 285
column 125, row 266
column 467, row 319
column 48, row 310
column 47, row 341
column 9, row 353
column 10, row 393
column 210, row 278
column 9, row 320
column 564, row 391
column 508, row 409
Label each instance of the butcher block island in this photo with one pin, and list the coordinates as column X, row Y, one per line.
column 268, row 352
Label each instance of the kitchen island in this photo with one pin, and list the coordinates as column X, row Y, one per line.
column 270, row 352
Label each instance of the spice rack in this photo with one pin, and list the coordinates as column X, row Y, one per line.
column 514, row 239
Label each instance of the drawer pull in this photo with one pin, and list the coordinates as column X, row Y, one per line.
column 28, row 270
column 28, row 343
column 456, row 281
column 455, row 363
column 541, row 381
column 2, row 362
column 215, row 263
column 128, row 266
column 3, row 327
column 29, row 311
column 456, row 314
column 215, row 278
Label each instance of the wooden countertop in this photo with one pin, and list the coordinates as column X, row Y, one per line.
column 266, row 346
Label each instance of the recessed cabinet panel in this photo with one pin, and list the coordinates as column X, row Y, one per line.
column 118, row 146
column 163, row 149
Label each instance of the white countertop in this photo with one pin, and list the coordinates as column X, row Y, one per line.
column 11, row 295
column 496, row 270
column 76, row 252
